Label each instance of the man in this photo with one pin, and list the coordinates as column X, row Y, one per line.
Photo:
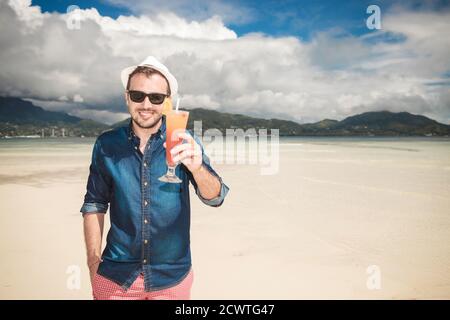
column 147, row 253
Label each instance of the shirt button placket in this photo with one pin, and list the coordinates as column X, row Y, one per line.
column 145, row 192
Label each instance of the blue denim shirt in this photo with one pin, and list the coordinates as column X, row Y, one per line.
column 150, row 219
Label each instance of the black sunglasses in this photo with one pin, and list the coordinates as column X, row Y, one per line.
column 154, row 98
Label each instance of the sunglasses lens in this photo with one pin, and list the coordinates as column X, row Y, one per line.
column 157, row 98
column 137, row 96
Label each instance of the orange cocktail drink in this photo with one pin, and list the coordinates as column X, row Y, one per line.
column 176, row 122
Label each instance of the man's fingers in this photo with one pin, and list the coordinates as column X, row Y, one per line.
column 179, row 148
column 181, row 134
column 187, row 157
column 186, row 150
column 186, row 136
column 183, row 155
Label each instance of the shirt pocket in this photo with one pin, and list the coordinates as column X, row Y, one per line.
column 168, row 204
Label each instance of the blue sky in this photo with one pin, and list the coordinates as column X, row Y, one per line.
column 300, row 18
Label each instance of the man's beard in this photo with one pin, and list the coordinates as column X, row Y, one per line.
column 141, row 123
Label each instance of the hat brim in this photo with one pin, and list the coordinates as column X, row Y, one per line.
column 173, row 84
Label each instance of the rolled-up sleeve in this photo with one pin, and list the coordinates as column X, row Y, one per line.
column 217, row 201
column 98, row 189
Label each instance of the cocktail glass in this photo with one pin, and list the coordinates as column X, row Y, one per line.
column 176, row 121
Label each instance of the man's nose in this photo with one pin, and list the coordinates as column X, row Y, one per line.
column 147, row 103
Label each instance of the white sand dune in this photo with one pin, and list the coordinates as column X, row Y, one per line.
column 312, row 230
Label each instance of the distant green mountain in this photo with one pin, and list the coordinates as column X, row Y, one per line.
column 21, row 111
column 222, row 121
column 321, row 126
column 19, row 117
column 390, row 123
column 379, row 123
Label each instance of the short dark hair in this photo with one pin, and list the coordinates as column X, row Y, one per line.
column 148, row 71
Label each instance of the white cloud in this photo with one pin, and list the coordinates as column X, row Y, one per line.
column 104, row 116
column 30, row 15
column 76, row 108
column 200, row 101
column 332, row 76
column 161, row 24
column 197, row 10
column 78, row 98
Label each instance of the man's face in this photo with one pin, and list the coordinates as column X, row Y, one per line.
column 145, row 114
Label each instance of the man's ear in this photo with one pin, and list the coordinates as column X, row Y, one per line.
column 126, row 97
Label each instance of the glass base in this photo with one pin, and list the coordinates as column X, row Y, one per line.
column 170, row 176
column 169, row 179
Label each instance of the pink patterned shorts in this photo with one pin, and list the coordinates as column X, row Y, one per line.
column 105, row 289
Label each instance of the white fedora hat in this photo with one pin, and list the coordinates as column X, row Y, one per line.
column 152, row 62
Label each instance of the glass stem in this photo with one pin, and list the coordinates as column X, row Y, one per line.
column 171, row 171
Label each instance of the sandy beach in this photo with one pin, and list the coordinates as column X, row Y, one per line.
column 312, row 230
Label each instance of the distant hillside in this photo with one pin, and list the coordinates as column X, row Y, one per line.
column 21, row 111
column 222, row 121
column 390, row 123
column 321, row 126
column 20, row 117
column 214, row 119
column 381, row 123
